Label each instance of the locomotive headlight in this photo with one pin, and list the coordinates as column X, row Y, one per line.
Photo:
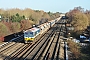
column 25, row 38
column 32, row 38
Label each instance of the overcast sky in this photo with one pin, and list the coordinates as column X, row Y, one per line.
column 46, row 5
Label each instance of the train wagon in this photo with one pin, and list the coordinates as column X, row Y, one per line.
column 29, row 35
column 52, row 22
column 44, row 27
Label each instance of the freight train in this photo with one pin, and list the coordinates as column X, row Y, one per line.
column 31, row 34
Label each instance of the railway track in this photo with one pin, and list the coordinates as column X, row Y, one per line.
column 17, row 39
column 37, row 46
column 39, row 51
column 45, row 48
column 9, row 49
column 52, row 49
column 20, row 50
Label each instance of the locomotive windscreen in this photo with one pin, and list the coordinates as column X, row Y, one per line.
column 31, row 34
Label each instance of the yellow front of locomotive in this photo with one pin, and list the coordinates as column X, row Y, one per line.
column 28, row 36
column 28, row 39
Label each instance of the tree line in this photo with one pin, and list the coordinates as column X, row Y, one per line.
column 79, row 19
column 15, row 20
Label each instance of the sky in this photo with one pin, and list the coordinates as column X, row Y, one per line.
column 46, row 5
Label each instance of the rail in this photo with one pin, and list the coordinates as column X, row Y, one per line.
column 14, row 39
column 65, row 52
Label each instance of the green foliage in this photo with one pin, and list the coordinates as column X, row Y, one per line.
column 17, row 18
column 49, row 13
column 37, row 11
column 23, row 17
column 17, row 15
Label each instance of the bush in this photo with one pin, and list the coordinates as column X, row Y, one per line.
column 25, row 24
column 4, row 30
column 74, row 48
column 15, row 27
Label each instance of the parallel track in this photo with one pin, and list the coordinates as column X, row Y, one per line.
column 47, row 47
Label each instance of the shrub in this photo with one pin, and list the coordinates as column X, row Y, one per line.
column 15, row 27
column 74, row 48
column 4, row 29
column 25, row 24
